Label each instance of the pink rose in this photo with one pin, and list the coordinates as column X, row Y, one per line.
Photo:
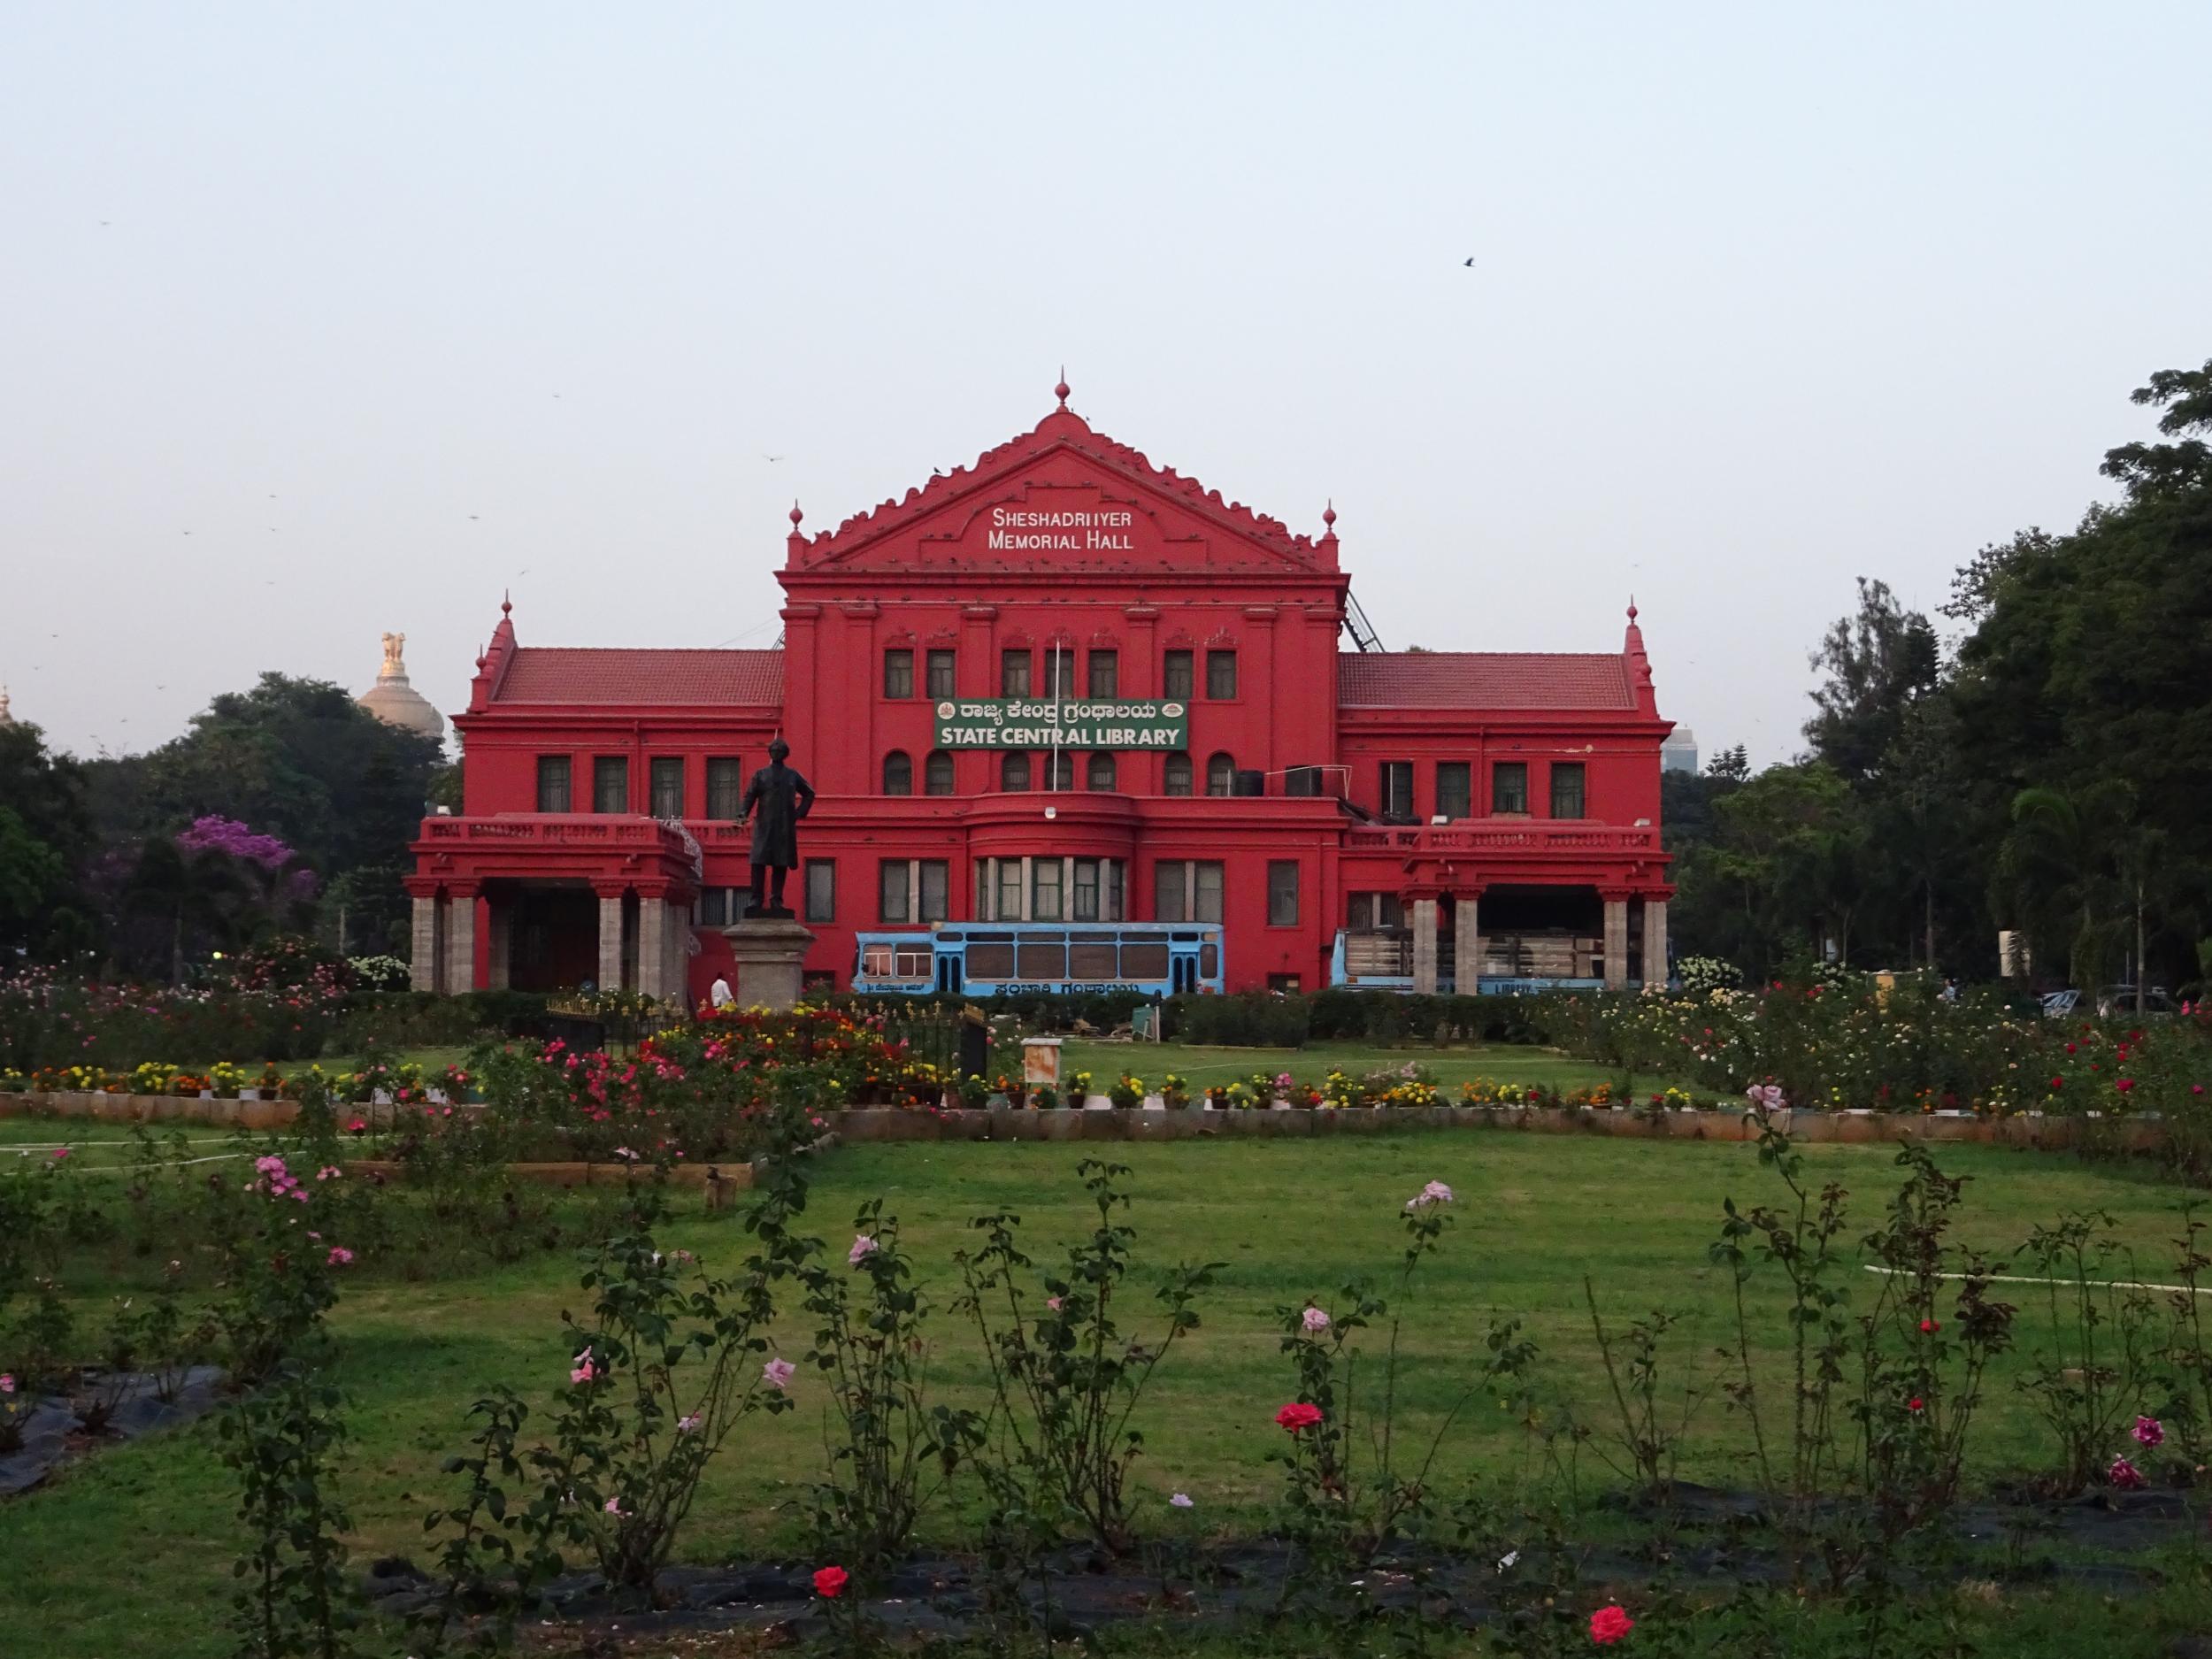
column 777, row 1374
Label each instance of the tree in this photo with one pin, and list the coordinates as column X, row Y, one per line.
column 298, row 760
column 1784, row 875
column 2061, row 864
column 1878, row 663
column 196, row 891
column 45, row 830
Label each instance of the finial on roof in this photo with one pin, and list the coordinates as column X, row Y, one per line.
column 1632, row 607
column 795, row 515
column 506, row 602
column 1328, row 513
column 1060, row 390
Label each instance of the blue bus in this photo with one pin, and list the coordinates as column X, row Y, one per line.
column 988, row 958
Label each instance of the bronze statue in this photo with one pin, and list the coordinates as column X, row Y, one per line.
column 776, row 799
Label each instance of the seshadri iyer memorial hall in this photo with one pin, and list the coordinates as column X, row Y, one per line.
column 1073, row 722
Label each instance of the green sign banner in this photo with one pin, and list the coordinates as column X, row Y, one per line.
column 1061, row 722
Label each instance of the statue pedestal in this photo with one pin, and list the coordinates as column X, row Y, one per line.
column 770, row 952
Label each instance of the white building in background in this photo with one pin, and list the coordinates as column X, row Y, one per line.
column 395, row 701
column 1678, row 753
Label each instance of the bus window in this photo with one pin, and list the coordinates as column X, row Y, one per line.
column 1209, row 961
column 911, row 961
column 990, row 962
column 1091, row 961
column 1042, row 962
column 1147, row 961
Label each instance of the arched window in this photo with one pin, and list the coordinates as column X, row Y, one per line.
column 1221, row 774
column 1063, row 770
column 1175, row 779
column 937, row 773
column 1098, row 771
column 1013, row 771
column 898, row 773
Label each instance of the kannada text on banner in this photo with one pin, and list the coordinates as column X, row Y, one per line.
column 1061, row 722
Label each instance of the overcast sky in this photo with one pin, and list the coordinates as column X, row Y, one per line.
column 316, row 322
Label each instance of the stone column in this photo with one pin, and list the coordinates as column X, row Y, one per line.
column 652, row 945
column 1616, row 941
column 1654, row 944
column 1467, row 946
column 1424, row 947
column 460, row 940
column 610, row 938
column 423, row 970
column 679, row 954
column 499, row 918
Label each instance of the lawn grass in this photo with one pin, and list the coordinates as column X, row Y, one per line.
column 129, row 1551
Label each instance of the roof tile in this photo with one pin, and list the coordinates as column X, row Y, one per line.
column 575, row 674
column 1482, row 679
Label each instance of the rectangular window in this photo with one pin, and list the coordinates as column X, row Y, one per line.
column 1060, row 671
column 1105, row 680
column 1455, row 788
column 940, row 674
column 821, row 889
column 1207, row 885
column 1092, row 959
column 1176, row 676
column 892, row 905
column 898, row 672
column 1509, row 786
column 1085, row 891
column 1397, row 791
column 1114, row 911
column 1359, row 911
column 1287, row 984
column 1566, row 789
column 1221, row 675
column 667, row 773
column 552, row 783
column 1170, row 903
column 1044, row 890
column 936, row 890
column 725, row 787
column 1009, row 889
column 1013, row 673
column 610, row 783
column 1282, row 893
column 714, row 906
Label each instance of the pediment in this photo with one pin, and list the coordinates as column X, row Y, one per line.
column 1062, row 499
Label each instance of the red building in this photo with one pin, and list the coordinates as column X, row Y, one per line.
column 1217, row 754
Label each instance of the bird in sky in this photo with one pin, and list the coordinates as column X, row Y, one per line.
column 772, row 457
column 1470, row 264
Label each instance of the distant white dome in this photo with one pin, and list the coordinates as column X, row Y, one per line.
column 395, row 703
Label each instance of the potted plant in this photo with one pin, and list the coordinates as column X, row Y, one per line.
column 1126, row 1093
column 1079, row 1089
column 975, row 1093
column 1174, row 1092
column 224, row 1079
column 1043, row 1098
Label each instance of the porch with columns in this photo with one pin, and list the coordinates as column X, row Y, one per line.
column 642, row 940
column 1423, row 911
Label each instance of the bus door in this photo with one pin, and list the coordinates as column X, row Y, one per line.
column 949, row 972
column 1185, row 973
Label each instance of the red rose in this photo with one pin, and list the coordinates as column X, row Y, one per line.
column 1915, row 1404
column 1608, row 1624
column 1928, row 1327
column 1298, row 1415
column 830, row 1581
